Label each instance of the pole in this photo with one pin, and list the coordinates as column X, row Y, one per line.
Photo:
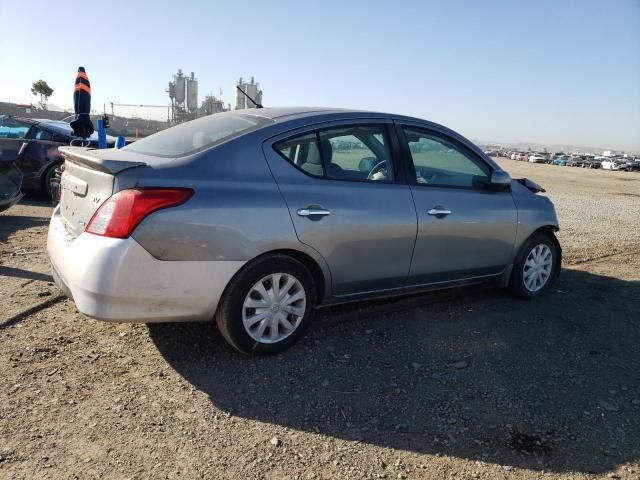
column 102, row 134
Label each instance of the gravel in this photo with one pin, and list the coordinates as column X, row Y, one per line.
column 467, row 383
column 599, row 210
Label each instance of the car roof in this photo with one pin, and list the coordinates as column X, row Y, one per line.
column 61, row 127
column 279, row 114
column 303, row 116
column 274, row 113
column 310, row 115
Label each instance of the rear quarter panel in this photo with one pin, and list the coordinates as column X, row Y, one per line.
column 236, row 213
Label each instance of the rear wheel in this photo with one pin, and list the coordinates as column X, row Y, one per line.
column 267, row 306
column 537, row 267
column 46, row 180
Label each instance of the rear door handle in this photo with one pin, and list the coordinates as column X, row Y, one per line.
column 313, row 212
column 437, row 211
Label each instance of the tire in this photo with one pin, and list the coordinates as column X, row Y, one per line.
column 46, row 179
column 524, row 282
column 243, row 291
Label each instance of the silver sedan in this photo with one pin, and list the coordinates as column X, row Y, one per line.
column 255, row 217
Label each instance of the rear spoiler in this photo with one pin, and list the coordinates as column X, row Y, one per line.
column 530, row 184
column 88, row 158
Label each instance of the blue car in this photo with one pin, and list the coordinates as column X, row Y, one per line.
column 561, row 160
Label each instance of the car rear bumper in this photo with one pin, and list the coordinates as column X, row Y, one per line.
column 118, row 280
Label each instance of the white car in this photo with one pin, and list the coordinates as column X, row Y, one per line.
column 611, row 164
column 537, row 158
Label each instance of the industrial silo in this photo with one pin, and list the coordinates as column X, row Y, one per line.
column 240, row 99
column 180, row 84
column 192, row 93
column 251, row 89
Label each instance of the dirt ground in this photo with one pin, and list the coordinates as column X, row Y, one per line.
column 461, row 384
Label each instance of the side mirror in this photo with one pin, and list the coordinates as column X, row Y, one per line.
column 500, row 178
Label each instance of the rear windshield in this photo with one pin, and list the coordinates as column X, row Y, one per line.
column 196, row 135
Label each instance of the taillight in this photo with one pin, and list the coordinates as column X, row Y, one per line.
column 123, row 211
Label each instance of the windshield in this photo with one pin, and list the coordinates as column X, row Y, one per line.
column 196, row 135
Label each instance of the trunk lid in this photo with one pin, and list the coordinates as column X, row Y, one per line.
column 87, row 181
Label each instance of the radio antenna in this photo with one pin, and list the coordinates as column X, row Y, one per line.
column 258, row 105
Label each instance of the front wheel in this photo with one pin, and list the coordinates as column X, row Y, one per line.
column 267, row 305
column 537, row 267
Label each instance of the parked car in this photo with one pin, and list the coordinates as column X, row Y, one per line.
column 576, row 161
column 10, row 183
column 631, row 165
column 562, row 160
column 537, row 158
column 612, row 164
column 591, row 162
column 255, row 217
column 33, row 145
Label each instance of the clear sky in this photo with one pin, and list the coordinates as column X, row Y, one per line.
column 544, row 71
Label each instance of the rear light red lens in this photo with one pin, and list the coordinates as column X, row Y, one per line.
column 123, row 211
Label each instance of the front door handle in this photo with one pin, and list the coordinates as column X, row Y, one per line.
column 313, row 212
column 439, row 211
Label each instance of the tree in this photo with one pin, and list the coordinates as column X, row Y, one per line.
column 44, row 90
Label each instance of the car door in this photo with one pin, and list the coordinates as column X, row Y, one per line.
column 466, row 228
column 12, row 136
column 348, row 201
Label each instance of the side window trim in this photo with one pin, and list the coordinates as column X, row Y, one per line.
column 407, row 159
column 387, row 125
column 31, row 133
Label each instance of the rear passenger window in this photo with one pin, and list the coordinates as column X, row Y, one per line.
column 357, row 153
column 304, row 153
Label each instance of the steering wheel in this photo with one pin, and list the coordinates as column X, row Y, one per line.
column 380, row 166
column 431, row 178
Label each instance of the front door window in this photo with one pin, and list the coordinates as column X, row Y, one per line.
column 440, row 162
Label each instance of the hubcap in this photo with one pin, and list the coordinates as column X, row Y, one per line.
column 274, row 308
column 537, row 267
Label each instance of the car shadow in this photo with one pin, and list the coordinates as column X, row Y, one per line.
column 548, row 385
column 26, row 274
column 11, row 221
